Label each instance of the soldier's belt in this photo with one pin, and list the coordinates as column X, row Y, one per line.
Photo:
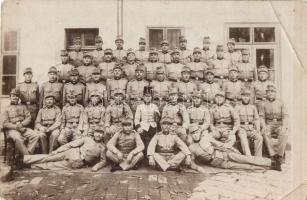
column 246, row 123
column 221, row 77
column 223, row 123
column 246, row 79
column 260, row 99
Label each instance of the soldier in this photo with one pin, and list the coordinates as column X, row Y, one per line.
column 64, row 68
column 178, row 115
column 233, row 87
column 71, row 125
column 173, row 70
column 225, row 121
column 206, row 150
column 119, row 53
column 152, row 65
column 98, row 53
column 29, row 94
column 96, row 85
column 220, row 65
column 47, row 123
column 76, row 55
column 197, row 67
column 276, row 124
column 73, row 155
column 232, row 55
column 186, row 87
column 185, row 54
column 93, row 116
column 247, row 71
column 160, row 87
column 86, row 70
column 146, row 117
column 135, row 88
column 207, row 54
column 74, row 86
column 51, row 87
column 129, row 67
column 209, row 88
column 107, row 66
column 16, row 118
column 165, row 53
column 250, row 125
column 163, row 149
column 118, row 82
column 115, row 113
column 142, row 55
column 125, row 148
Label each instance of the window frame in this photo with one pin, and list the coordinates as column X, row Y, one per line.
column 83, row 48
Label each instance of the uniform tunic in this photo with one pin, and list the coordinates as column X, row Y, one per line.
column 141, row 56
column 113, row 84
column 233, row 91
column 151, row 69
column 129, row 70
column 173, row 71
column 165, row 57
column 93, row 119
column 97, row 56
column 185, row 56
column 197, row 70
column 63, row 72
column 85, row 73
column 208, row 55
column 135, row 92
column 99, row 87
column 209, row 91
column 75, row 58
column 77, row 88
column 106, row 69
column 234, row 57
column 56, row 89
column 200, row 116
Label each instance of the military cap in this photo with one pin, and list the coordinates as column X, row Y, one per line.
column 220, row 93
column 98, row 39
column 176, row 50
column 245, row 52
column 246, row 91
column 232, row 41
column 193, row 128
column 108, row 51
column 196, row 50
column 27, row 70
column 14, row 91
column 140, row 67
column 153, row 51
column 49, row 94
column 164, row 42
column 129, row 51
column 166, row 120
column 96, row 71
column 74, row 72
column 77, row 40
column 173, row 90
column 271, row 88
column 87, row 54
column 71, row 94
column 52, row 70
column 118, row 91
column 219, row 47
column 142, row 40
column 148, row 90
column 64, row 52
column 182, row 38
column 206, row 40
column 233, row 68
column 185, row 69
column 160, row 70
column 263, row 68
column 94, row 93
column 119, row 37
column 209, row 71
column 118, row 66
column 127, row 122
column 197, row 93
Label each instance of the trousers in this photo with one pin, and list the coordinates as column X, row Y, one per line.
column 169, row 160
column 19, row 139
column 124, row 164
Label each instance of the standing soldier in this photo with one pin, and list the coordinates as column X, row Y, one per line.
column 207, row 54
column 52, row 87
column 186, row 87
column 177, row 113
column 125, row 148
column 71, row 125
column 98, row 53
column 165, row 53
column 220, row 65
column 185, row 54
column 160, row 87
column 250, row 125
column 115, row 113
column 225, row 121
column 29, row 94
column 275, row 117
column 135, row 87
column 209, row 88
column 107, row 66
column 163, row 149
column 142, row 55
column 118, row 82
column 86, row 70
column 232, row 55
column 48, row 122
column 96, row 85
column 129, row 67
column 152, row 65
column 173, row 70
column 74, row 86
column 76, row 55
column 146, row 117
column 16, row 118
column 119, row 53
column 64, row 68
column 247, row 71
column 93, row 115
column 197, row 67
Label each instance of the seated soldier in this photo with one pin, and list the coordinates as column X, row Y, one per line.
column 73, row 155
column 16, row 118
column 125, row 148
column 48, row 122
column 167, row 150
column 206, row 150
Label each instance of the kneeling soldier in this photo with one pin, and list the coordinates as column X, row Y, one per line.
column 163, row 149
column 125, row 148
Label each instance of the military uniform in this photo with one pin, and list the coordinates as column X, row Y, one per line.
column 165, row 56
column 220, row 66
column 197, row 67
column 119, row 54
column 142, row 55
column 106, row 67
column 75, row 57
column 15, row 120
column 77, row 88
column 185, row 54
column 98, row 53
column 116, row 83
column 47, row 123
column 185, row 92
column 207, row 54
column 173, row 70
column 64, row 69
column 152, row 66
column 86, row 71
column 234, row 57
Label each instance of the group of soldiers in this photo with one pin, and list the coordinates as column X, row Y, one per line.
column 177, row 107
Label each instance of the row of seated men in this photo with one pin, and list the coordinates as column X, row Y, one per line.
column 222, row 123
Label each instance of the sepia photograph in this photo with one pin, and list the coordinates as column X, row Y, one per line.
column 153, row 100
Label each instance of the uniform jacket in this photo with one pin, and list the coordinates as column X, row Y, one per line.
column 199, row 115
column 135, row 88
column 145, row 116
column 209, row 91
column 63, row 72
column 78, row 89
column 173, row 71
column 29, row 92
column 85, row 73
column 49, row 118
column 72, row 116
column 106, row 69
column 14, row 114
column 115, row 113
column 97, row 56
column 75, row 58
column 55, row 88
column 177, row 113
column 225, row 114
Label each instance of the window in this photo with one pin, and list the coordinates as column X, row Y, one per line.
column 87, row 36
column 156, row 34
column 9, row 65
